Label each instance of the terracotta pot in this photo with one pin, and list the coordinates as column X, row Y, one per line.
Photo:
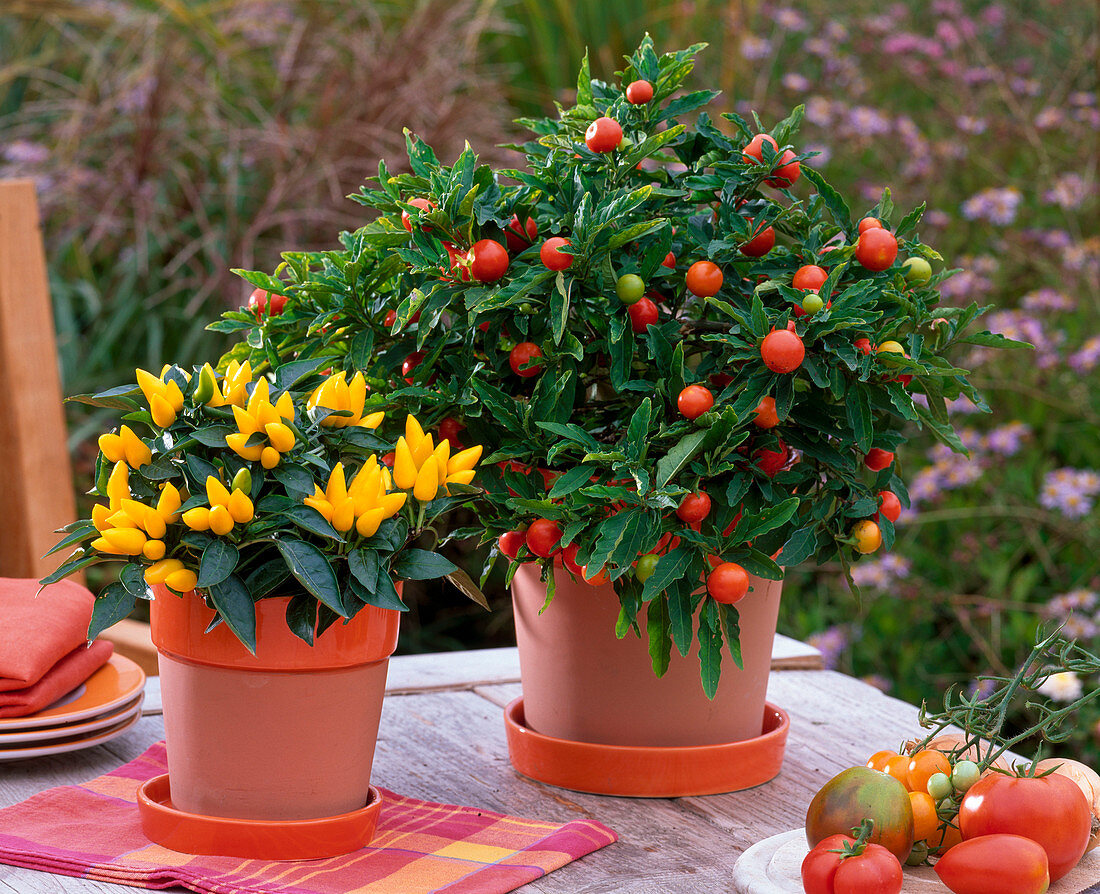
column 285, row 734
column 582, row 684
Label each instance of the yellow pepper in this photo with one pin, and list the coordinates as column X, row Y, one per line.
column 427, row 481
column 158, row 572
column 164, row 398
column 226, row 509
column 363, row 504
column 336, row 393
column 262, row 417
column 125, row 447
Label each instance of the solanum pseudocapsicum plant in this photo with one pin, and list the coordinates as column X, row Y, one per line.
column 689, row 310
column 247, row 487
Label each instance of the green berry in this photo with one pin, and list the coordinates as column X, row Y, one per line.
column 630, row 288
column 940, row 787
column 812, row 303
column 964, row 775
column 916, row 270
column 647, row 564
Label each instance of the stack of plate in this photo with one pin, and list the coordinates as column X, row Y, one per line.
column 104, row 706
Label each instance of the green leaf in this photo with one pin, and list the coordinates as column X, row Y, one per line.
column 637, row 433
column 684, row 449
column 309, row 519
column 468, row 587
column 218, row 561
column 674, row 565
column 799, row 546
column 731, row 630
column 859, row 417
column 833, row 200
column 419, row 564
column 313, row 571
column 559, row 306
column 265, row 578
column 660, row 637
column 211, row 436
column 295, row 479
column 110, row 607
column 681, row 620
column 301, row 616
column 79, row 559
column 82, row 531
column 384, row 595
column 769, row 519
column 710, row 647
column 235, row 606
column 364, row 565
column 584, row 83
column 575, row 478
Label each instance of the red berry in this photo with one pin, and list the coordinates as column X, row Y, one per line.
column 728, row 583
column 694, row 401
column 488, row 260
column 553, row 258
column 521, row 354
column 760, row 244
column 520, row 236
column 877, row 248
column 809, row 278
column 448, row 431
column 766, row 416
column 694, row 507
column 782, row 351
column 889, row 505
column 638, row 93
column 423, row 205
column 411, row 362
column 863, row 345
column 603, row 135
column 569, row 559
column 510, row 543
column 704, row 279
column 787, row 172
column 754, row 151
column 878, row 459
column 391, row 318
column 543, row 537
column 261, row 301
column 771, row 462
column 643, row 313
column 669, row 261
column 869, row 223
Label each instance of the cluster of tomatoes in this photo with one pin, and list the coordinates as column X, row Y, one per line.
column 994, row 829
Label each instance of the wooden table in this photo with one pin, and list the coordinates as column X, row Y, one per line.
column 442, row 739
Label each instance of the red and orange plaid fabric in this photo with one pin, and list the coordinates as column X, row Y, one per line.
column 92, row 831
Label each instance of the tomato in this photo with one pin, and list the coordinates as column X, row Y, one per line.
column 760, row 244
column 858, row 793
column 630, row 288
column 459, row 264
column 520, row 236
column 869, row 223
column 603, row 135
column 261, row 301
column 669, row 261
column 939, row 785
column 862, row 345
column 647, row 564
column 416, row 202
column 552, row 256
column 638, row 93
column 889, row 505
column 728, row 583
column 925, row 820
column 877, row 761
column 786, row 172
column 877, row 459
column 820, row 864
column 1086, row 779
column 811, row 304
column 643, row 314
column 867, row 535
column 411, row 362
column 927, row 762
column 488, row 260
column 704, row 279
column 391, row 318
column 771, row 462
column 448, row 431
column 809, row 278
column 898, row 767
column 510, row 543
column 876, row 249
column 964, row 774
column 1051, row 810
column 916, row 270
column 694, row 507
column 569, row 559
column 543, row 537
column 875, row 871
column 766, row 416
column 754, row 151
column 521, row 354
column 995, row 864
column 694, row 401
column 782, row 351
column 595, row 577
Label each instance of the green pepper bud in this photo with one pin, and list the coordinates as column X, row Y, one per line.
column 207, row 385
column 242, row 481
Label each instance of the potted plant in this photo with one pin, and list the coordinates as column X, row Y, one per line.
column 273, row 541
column 691, row 364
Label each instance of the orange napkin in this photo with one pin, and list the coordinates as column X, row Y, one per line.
column 42, row 643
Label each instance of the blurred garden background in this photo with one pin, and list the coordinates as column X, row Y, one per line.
column 172, row 141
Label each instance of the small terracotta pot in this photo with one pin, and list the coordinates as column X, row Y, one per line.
column 285, row 734
column 583, row 684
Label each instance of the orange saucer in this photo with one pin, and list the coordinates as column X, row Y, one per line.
column 310, row 839
column 646, row 772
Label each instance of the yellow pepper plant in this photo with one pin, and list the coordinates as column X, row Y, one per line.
column 248, row 487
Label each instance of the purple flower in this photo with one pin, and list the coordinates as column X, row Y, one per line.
column 823, row 153
column 1025, row 86
column 795, row 82
column 961, row 405
column 994, row 15
column 1050, row 118
column 964, row 284
column 819, row 111
column 1007, row 440
column 831, row 643
column 867, row 121
column 790, row 19
column 1047, row 299
column 937, row 218
column 948, row 35
column 998, row 206
column 983, row 687
column 25, row 152
column 755, row 48
column 1082, row 98
column 1070, row 491
column 970, row 124
column 1069, row 191
column 880, row 574
column 1086, row 357
column 818, row 46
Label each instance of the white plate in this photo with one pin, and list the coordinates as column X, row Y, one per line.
column 64, row 731
column 74, row 743
column 110, row 687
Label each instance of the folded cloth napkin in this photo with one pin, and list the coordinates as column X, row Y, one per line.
column 37, row 629
column 93, row 831
column 62, row 678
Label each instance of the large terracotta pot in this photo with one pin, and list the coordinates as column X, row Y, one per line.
column 285, row 734
column 583, row 684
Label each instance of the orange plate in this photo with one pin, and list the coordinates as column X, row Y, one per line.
column 310, row 839
column 645, row 772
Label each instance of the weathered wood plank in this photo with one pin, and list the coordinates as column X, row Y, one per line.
column 35, row 473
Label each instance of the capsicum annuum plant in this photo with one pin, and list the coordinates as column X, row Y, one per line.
column 690, row 361
column 248, row 487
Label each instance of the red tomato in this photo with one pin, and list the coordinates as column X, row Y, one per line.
column 410, row 363
column 417, row 202
column 771, row 462
column 694, row 401
column 782, row 351
column 643, row 314
column 262, row 301
column 488, row 260
column 694, row 507
column 595, row 577
column 728, row 583
column 819, row 865
column 510, row 543
column 391, row 318
column 1004, row 864
column 552, row 255
column 569, row 559
column 878, row 459
column 862, row 345
column 669, row 261
column 638, row 93
column 754, row 151
column 543, row 537
column 448, row 431
column 889, row 505
column 809, row 278
column 704, row 278
column 766, row 417
column 519, row 236
column 760, row 244
column 787, row 171
column 603, row 135
column 875, row 870
column 869, row 223
column 1051, row 810
column 877, row 248
column 521, row 354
